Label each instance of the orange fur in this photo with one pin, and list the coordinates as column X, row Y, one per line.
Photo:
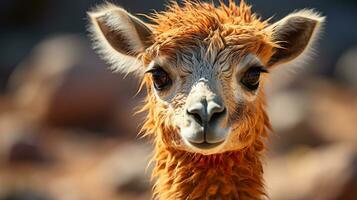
column 184, row 175
column 231, row 175
column 180, row 27
column 206, row 52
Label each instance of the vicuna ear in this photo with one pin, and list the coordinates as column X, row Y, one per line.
column 119, row 37
column 295, row 35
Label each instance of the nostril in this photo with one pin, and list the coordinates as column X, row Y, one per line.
column 196, row 116
column 217, row 115
column 215, row 110
column 198, row 112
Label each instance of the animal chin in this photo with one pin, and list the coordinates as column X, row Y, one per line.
column 205, row 148
column 205, row 142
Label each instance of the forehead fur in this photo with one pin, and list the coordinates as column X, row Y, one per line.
column 183, row 27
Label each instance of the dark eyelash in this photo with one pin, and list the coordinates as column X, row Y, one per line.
column 152, row 69
column 262, row 69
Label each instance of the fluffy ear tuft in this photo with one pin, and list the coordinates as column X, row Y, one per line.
column 295, row 34
column 119, row 37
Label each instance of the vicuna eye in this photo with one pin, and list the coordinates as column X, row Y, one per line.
column 251, row 77
column 161, row 79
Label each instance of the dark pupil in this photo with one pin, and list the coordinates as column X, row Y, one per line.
column 251, row 79
column 161, row 79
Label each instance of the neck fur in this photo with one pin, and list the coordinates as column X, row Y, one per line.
column 229, row 176
column 181, row 175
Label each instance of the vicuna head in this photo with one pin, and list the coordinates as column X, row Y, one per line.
column 204, row 68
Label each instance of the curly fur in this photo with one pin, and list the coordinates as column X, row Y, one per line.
column 183, row 175
column 229, row 176
column 180, row 27
column 187, row 35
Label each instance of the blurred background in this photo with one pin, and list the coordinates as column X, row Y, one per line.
column 67, row 130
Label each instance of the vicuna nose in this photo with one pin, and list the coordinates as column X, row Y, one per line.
column 206, row 112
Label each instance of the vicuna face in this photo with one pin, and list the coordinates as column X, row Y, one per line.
column 204, row 68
